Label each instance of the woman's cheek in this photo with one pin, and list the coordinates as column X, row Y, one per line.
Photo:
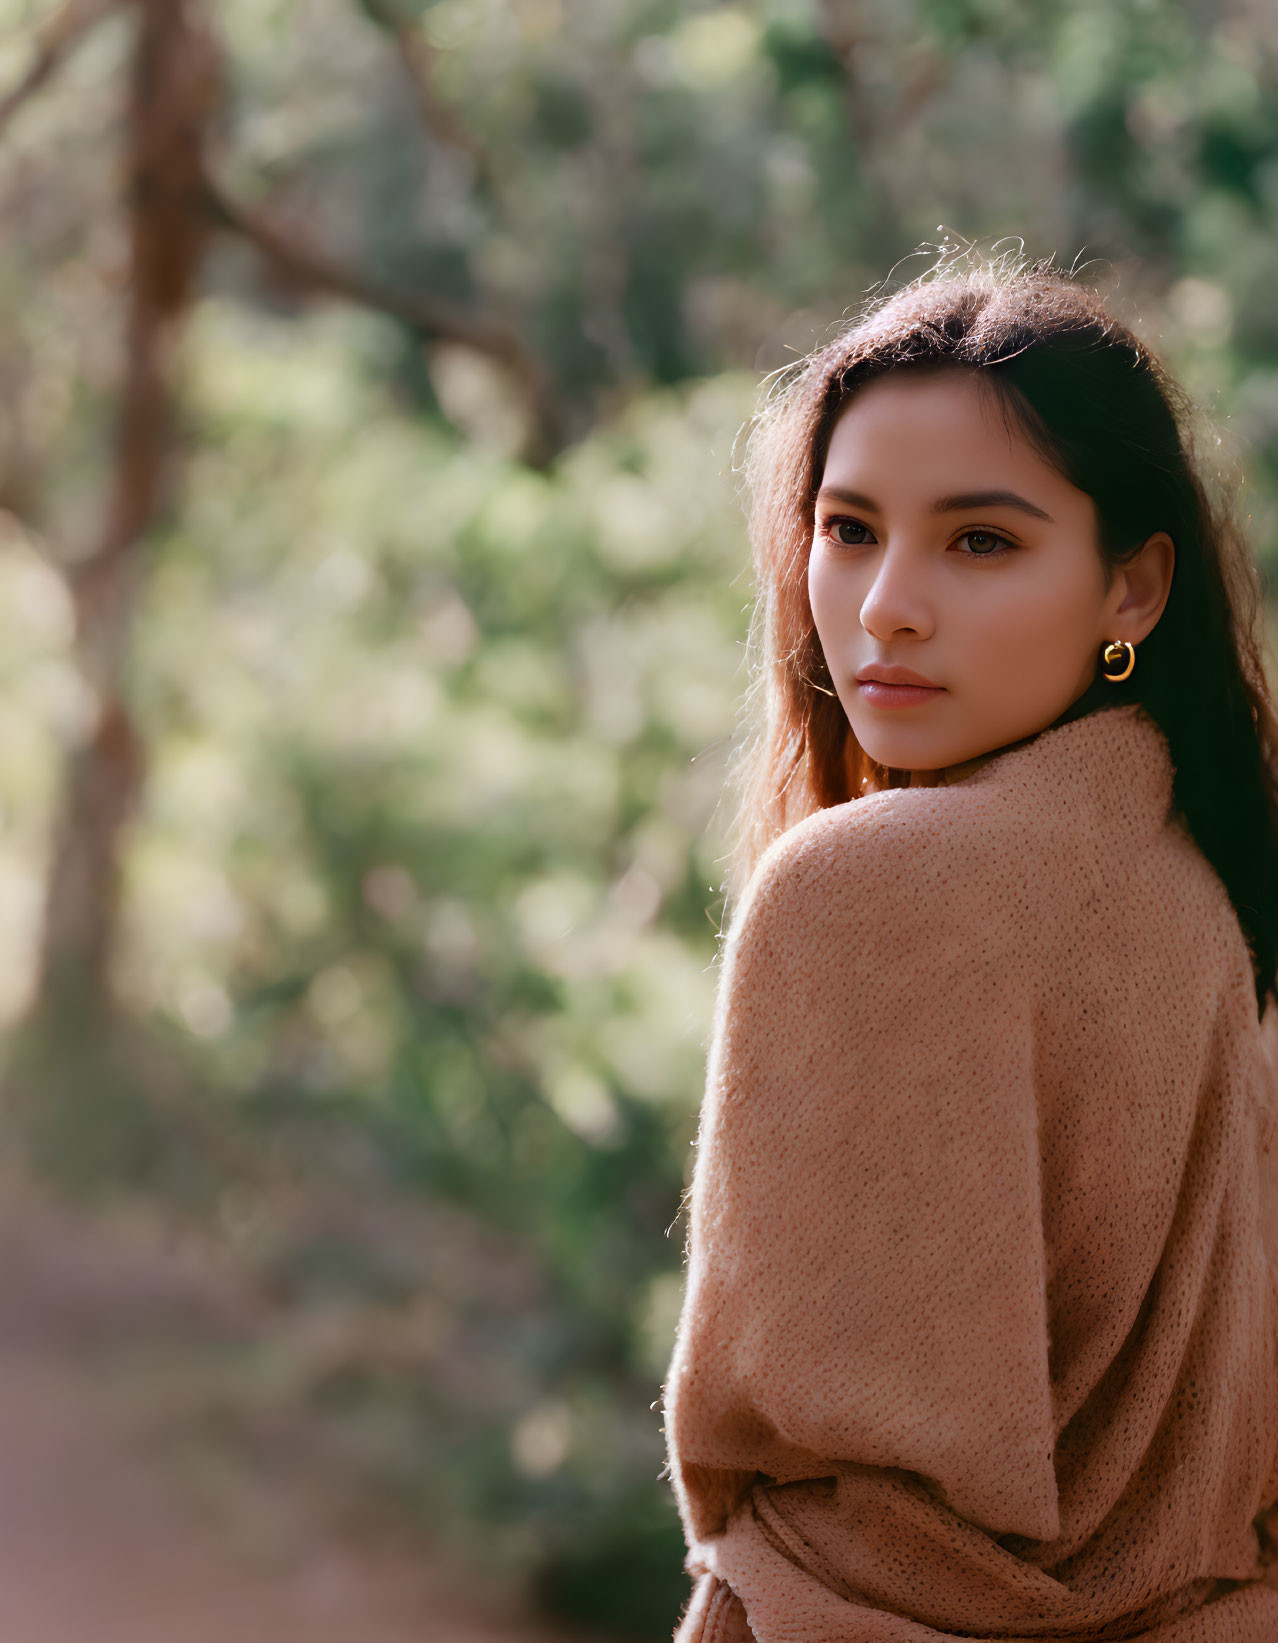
column 832, row 596
column 819, row 569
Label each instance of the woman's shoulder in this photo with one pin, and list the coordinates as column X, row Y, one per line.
column 960, row 835
column 933, row 864
column 1039, row 828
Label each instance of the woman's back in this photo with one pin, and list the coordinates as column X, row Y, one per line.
column 981, row 1334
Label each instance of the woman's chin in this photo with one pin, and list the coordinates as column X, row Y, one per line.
column 900, row 753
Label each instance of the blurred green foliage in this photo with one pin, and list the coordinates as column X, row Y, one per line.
column 427, row 877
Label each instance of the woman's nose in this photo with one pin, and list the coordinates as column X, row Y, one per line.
column 897, row 600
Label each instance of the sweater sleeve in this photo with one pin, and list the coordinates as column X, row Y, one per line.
column 865, row 1252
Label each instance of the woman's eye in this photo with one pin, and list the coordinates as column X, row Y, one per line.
column 860, row 533
column 985, row 544
column 982, row 544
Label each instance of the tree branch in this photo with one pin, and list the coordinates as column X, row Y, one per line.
column 55, row 39
column 418, row 56
column 433, row 317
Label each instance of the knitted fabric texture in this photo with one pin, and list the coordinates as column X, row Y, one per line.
column 980, row 1332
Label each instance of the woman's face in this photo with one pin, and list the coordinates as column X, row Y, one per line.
column 946, row 545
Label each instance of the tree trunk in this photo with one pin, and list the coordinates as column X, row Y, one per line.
column 174, row 90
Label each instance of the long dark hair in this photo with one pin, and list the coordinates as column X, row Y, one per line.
column 1102, row 409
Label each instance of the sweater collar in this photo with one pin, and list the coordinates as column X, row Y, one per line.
column 1113, row 760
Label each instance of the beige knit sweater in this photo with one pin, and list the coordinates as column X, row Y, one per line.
column 980, row 1336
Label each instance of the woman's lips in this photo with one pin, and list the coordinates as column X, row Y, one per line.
column 878, row 694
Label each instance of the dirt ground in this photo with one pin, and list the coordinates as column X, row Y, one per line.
column 101, row 1543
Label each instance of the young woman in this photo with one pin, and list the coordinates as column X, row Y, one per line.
column 980, row 1336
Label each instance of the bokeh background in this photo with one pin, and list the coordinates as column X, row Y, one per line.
column 373, row 601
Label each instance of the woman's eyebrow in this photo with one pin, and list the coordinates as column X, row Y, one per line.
column 989, row 499
column 943, row 504
column 854, row 499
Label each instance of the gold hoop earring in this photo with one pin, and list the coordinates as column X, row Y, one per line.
column 1113, row 654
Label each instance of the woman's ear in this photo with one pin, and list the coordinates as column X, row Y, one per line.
column 1141, row 587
